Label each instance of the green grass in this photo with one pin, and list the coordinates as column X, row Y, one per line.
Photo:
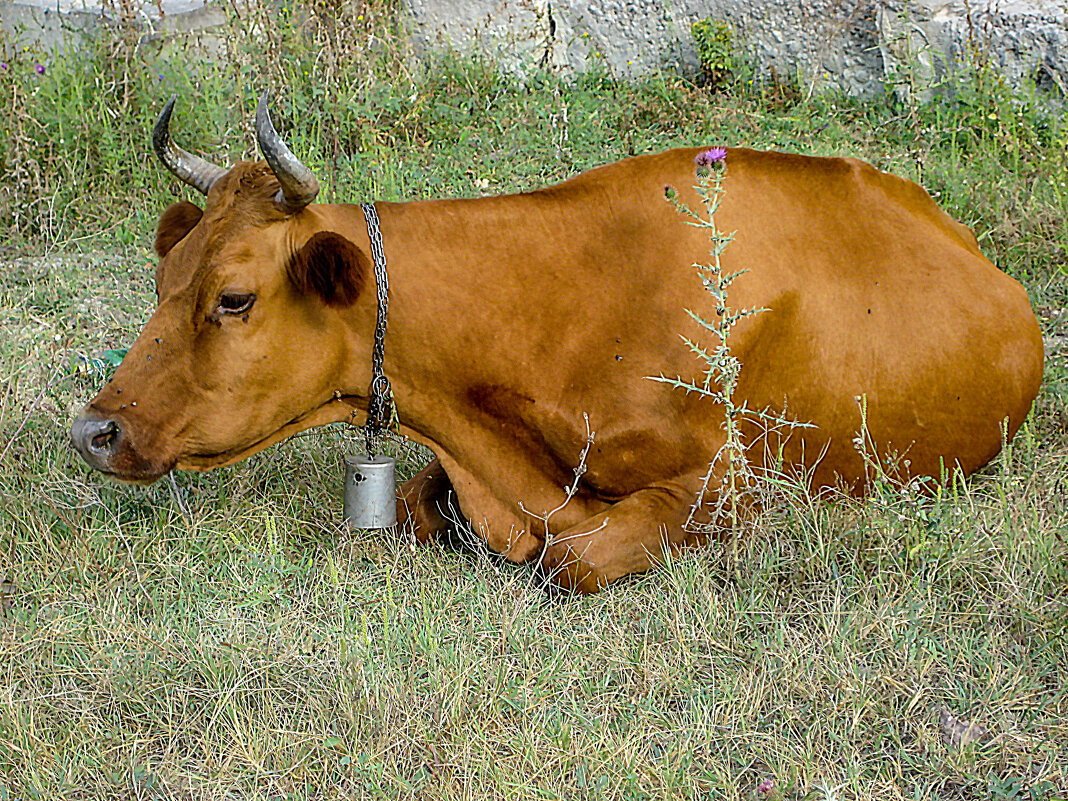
column 222, row 636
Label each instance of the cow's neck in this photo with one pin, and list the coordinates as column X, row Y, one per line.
column 445, row 322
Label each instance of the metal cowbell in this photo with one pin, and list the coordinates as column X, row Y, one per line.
column 370, row 491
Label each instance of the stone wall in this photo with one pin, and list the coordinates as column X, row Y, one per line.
column 822, row 41
column 859, row 46
column 921, row 39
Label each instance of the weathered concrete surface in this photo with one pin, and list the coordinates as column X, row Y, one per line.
column 53, row 24
column 858, row 46
column 921, row 40
column 817, row 40
column 855, row 45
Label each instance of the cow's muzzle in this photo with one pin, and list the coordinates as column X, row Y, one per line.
column 109, row 444
column 96, row 439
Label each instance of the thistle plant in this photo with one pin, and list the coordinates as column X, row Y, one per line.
column 722, row 368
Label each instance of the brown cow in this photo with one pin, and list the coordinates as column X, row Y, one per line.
column 513, row 319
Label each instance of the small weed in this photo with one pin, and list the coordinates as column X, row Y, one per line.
column 714, row 42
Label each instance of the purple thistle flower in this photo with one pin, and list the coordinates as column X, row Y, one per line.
column 3, row 65
column 39, row 69
column 766, row 785
column 711, row 157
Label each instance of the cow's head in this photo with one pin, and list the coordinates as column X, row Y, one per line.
column 245, row 346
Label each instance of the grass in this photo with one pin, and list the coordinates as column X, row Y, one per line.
column 222, row 636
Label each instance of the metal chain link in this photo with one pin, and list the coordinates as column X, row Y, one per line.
column 378, row 407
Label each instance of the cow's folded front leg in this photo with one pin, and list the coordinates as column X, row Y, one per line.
column 631, row 536
column 424, row 500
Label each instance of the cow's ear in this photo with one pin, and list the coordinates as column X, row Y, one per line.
column 176, row 222
column 331, row 267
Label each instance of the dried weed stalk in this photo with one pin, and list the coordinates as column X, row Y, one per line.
column 737, row 477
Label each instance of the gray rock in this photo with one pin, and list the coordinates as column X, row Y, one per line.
column 921, row 41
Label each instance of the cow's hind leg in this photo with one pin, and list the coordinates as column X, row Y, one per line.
column 424, row 500
column 631, row 536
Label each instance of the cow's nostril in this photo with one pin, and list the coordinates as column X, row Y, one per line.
column 96, row 440
column 103, row 440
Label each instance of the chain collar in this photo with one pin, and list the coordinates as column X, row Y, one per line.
column 378, row 408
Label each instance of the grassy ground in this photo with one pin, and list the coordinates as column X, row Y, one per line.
column 220, row 636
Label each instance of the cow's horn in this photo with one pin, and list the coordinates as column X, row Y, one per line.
column 299, row 184
column 191, row 169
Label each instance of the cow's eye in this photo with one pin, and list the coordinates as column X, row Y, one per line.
column 236, row 302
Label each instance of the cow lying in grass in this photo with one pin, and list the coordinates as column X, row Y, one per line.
column 513, row 320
